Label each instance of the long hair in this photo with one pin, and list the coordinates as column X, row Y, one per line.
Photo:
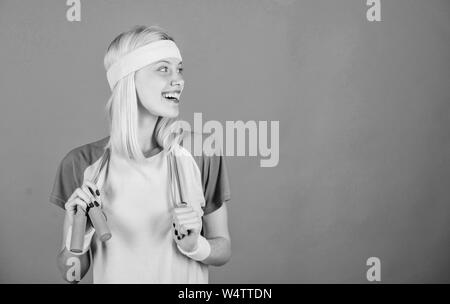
column 122, row 106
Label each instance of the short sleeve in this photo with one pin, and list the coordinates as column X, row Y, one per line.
column 217, row 184
column 65, row 182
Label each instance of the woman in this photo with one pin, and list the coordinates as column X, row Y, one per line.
column 154, row 240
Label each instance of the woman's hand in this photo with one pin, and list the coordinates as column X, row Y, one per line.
column 84, row 197
column 186, row 227
column 87, row 196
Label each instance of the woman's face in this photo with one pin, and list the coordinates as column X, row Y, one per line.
column 159, row 86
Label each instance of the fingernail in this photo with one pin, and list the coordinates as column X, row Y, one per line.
column 91, row 205
column 176, row 232
column 178, row 238
column 92, row 192
column 98, row 192
column 96, row 204
column 173, row 225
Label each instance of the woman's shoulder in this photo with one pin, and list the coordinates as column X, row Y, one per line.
column 86, row 154
column 211, row 163
column 70, row 172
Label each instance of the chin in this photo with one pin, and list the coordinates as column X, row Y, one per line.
column 164, row 111
column 170, row 110
column 172, row 113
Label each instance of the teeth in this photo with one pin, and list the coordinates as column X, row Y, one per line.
column 171, row 95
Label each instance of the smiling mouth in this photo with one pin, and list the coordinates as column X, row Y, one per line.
column 173, row 97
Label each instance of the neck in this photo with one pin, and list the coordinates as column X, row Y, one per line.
column 146, row 138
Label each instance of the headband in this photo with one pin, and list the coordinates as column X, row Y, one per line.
column 141, row 57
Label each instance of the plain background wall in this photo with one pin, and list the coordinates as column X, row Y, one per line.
column 364, row 128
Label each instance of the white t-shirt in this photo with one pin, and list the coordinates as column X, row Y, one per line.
column 138, row 209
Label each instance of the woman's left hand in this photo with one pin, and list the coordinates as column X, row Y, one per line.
column 186, row 227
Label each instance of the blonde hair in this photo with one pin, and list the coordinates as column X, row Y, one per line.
column 122, row 106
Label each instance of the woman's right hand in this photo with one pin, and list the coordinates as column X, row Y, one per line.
column 83, row 197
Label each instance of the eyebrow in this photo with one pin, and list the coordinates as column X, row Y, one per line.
column 168, row 62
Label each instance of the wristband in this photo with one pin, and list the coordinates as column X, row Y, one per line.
column 87, row 240
column 202, row 252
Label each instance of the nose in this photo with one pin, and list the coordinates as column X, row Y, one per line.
column 177, row 82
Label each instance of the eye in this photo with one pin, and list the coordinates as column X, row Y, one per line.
column 180, row 70
column 163, row 69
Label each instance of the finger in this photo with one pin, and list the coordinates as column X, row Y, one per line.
column 187, row 216
column 188, row 232
column 178, row 233
column 183, row 232
column 179, row 219
column 177, row 226
column 93, row 190
column 176, row 236
column 69, row 206
column 192, row 231
column 84, row 196
column 80, row 203
column 182, row 229
column 181, row 204
column 182, row 214
column 188, row 229
column 91, row 198
column 89, row 191
column 189, row 221
column 192, row 220
column 193, row 226
column 182, row 210
column 73, row 204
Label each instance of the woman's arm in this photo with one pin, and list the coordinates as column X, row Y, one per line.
column 215, row 226
column 72, row 267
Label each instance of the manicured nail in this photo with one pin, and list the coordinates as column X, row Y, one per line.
column 173, row 225
column 91, row 205
column 178, row 238
column 176, row 232
column 92, row 192
column 98, row 192
column 96, row 204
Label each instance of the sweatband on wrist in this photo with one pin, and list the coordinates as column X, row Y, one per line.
column 202, row 252
column 87, row 240
column 141, row 57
